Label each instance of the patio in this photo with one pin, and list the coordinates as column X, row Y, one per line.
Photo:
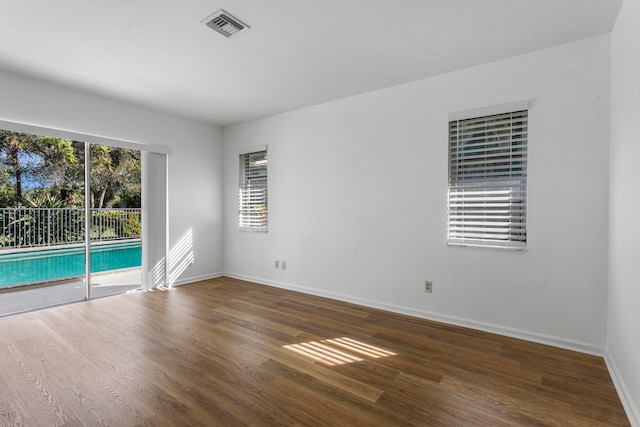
column 28, row 298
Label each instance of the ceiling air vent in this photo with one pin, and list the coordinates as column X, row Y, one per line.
column 226, row 24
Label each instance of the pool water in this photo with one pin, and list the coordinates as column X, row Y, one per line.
column 63, row 263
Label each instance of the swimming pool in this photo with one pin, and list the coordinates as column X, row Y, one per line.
column 63, row 263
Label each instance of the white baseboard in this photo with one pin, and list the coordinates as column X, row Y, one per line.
column 187, row 280
column 625, row 397
column 467, row 323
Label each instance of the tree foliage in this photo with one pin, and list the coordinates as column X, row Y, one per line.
column 36, row 160
column 50, row 171
column 115, row 175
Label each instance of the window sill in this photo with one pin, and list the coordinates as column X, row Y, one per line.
column 490, row 246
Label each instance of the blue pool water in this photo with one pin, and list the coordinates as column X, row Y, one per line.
column 63, row 263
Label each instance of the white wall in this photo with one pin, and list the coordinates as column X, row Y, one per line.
column 623, row 337
column 358, row 189
column 195, row 178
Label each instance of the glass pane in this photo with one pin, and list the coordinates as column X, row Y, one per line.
column 116, row 221
column 42, row 254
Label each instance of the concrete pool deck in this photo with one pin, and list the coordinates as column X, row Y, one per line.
column 28, row 298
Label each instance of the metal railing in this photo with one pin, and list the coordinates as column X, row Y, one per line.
column 38, row 227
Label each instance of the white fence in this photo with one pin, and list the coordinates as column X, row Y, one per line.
column 37, row 227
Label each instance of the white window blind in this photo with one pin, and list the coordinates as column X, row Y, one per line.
column 488, row 181
column 154, row 220
column 253, row 201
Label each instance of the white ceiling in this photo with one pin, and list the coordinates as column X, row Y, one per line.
column 157, row 53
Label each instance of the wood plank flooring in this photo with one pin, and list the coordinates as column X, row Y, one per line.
column 225, row 352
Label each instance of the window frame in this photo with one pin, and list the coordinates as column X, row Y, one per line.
column 487, row 183
column 253, row 202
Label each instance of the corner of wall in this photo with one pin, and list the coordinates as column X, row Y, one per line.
column 633, row 413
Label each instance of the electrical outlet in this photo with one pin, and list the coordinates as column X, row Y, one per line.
column 276, row 264
column 283, row 265
column 428, row 286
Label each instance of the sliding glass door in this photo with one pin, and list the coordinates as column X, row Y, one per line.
column 59, row 199
column 114, row 220
column 42, row 221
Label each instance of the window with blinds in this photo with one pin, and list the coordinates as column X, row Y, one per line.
column 488, row 180
column 252, row 198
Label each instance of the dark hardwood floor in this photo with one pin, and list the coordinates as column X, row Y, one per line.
column 224, row 352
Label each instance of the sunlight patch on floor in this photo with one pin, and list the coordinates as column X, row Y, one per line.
column 338, row 351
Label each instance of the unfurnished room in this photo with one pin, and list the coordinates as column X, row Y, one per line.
column 320, row 213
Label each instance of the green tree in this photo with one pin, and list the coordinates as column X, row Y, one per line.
column 43, row 159
column 6, row 188
column 67, row 181
column 115, row 176
column 48, row 167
